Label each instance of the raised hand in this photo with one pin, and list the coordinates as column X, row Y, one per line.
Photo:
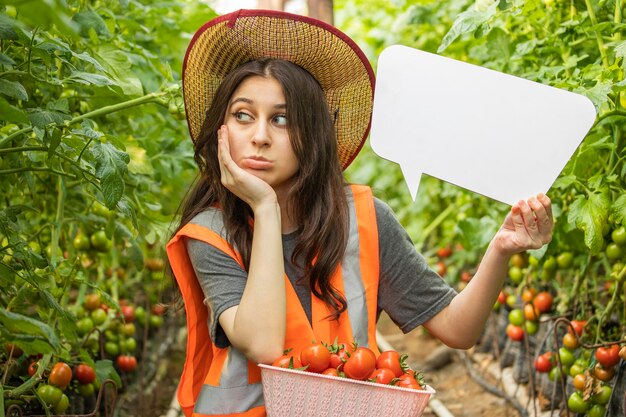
column 528, row 225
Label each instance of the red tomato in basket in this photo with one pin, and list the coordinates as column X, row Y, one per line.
column 287, row 361
column 338, row 359
column 393, row 361
column 361, row 364
column 316, row 357
column 408, row 380
column 382, row 376
column 331, row 372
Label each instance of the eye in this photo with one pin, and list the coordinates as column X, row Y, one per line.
column 280, row 120
column 241, row 116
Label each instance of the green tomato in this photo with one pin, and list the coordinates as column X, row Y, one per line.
column 128, row 346
column 86, row 390
column 100, row 242
column 603, row 397
column 101, row 210
column 516, row 317
column 111, row 348
column 140, row 315
column 156, row 321
column 98, row 316
column 62, row 405
column 49, row 394
column 549, row 264
column 531, row 326
column 532, row 261
column 81, row 242
column 511, row 300
column 596, row 410
column 619, row 236
column 576, row 369
column 614, row 252
column 84, row 326
column 567, row 356
column 565, row 260
column 555, row 373
column 576, row 403
column 516, row 274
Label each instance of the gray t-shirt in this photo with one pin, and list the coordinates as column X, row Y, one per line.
column 409, row 291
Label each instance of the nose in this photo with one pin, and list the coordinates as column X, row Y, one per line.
column 261, row 135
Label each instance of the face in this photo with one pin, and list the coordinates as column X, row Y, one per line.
column 257, row 127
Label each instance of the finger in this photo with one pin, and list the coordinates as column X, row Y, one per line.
column 544, row 221
column 547, row 204
column 516, row 217
column 224, row 158
column 529, row 220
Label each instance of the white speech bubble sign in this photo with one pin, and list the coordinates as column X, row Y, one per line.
column 492, row 133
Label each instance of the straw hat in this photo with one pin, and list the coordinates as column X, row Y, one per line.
column 341, row 68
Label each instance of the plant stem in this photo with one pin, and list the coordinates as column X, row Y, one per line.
column 148, row 98
column 41, row 169
column 594, row 21
column 23, row 149
column 621, row 277
column 30, row 382
column 437, row 221
column 56, row 229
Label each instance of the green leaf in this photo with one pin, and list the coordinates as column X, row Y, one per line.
column 618, row 209
column 18, row 324
column 565, row 182
column 90, row 19
column 598, row 94
column 11, row 113
column 7, row 275
column 105, row 370
column 620, row 50
column 477, row 233
column 111, row 166
column 55, row 140
column 590, row 215
column 89, row 78
column 42, row 118
column 6, row 61
column 467, row 22
column 13, row 89
column 7, row 30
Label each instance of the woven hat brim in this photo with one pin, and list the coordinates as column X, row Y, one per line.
column 338, row 64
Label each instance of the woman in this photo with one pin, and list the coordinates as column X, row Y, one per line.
column 273, row 249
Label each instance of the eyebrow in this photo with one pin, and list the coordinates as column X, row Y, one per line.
column 248, row 101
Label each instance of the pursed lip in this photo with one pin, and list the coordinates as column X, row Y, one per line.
column 256, row 162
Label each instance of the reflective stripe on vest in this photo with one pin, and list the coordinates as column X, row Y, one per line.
column 231, row 383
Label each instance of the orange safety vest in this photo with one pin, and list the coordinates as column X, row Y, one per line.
column 219, row 382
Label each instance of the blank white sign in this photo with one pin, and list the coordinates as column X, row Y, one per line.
column 495, row 134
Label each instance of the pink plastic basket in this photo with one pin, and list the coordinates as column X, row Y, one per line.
column 291, row 393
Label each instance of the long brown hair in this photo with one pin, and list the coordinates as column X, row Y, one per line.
column 317, row 200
